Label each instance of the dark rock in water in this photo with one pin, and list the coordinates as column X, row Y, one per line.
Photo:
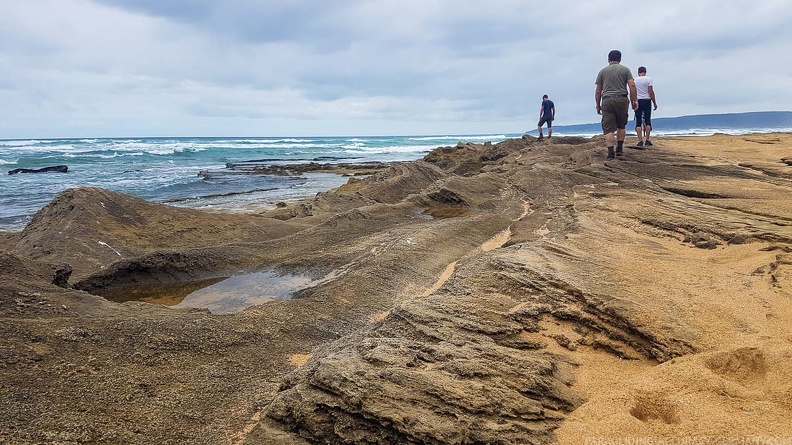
column 51, row 169
column 265, row 168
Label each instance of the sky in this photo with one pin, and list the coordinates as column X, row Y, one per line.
column 126, row 68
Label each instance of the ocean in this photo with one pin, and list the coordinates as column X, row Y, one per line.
column 166, row 169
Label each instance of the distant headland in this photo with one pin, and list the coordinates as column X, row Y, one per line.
column 759, row 121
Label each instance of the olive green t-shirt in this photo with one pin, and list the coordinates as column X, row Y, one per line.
column 613, row 79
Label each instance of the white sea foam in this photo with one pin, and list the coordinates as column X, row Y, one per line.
column 82, row 154
column 176, row 169
column 266, row 145
column 354, row 145
column 391, row 149
column 37, row 148
column 476, row 137
column 152, row 148
column 19, row 143
column 258, row 141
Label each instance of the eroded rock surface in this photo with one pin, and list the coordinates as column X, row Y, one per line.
column 519, row 292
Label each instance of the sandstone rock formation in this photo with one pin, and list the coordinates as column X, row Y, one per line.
column 510, row 293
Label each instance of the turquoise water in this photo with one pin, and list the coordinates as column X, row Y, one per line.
column 166, row 169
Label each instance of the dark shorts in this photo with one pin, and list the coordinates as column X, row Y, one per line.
column 615, row 113
column 546, row 120
column 643, row 115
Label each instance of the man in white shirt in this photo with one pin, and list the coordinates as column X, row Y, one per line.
column 643, row 115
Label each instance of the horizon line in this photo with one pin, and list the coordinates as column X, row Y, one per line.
column 379, row 135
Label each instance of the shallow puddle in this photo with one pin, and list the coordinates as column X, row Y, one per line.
column 219, row 295
column 243, row 291
column 164, row 294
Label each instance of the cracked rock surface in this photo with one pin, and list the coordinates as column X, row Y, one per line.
column 522, row 292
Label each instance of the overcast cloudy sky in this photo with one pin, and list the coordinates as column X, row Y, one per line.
column 104, row 68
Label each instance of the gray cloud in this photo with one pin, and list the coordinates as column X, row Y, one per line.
column 132, row 67
column 251, row 21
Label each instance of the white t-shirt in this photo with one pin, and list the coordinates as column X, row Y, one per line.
column 642, row 84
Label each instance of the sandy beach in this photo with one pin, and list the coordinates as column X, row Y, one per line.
column 524, row 292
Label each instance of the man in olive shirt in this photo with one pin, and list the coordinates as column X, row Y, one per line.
column 613, row 101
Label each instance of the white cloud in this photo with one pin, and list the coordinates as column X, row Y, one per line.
column 251, row 67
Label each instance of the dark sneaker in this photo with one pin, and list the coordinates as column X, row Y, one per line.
column 610, row 154
column 541, row 136
column 619, row 152
column 648, row 143
column 640, row 144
